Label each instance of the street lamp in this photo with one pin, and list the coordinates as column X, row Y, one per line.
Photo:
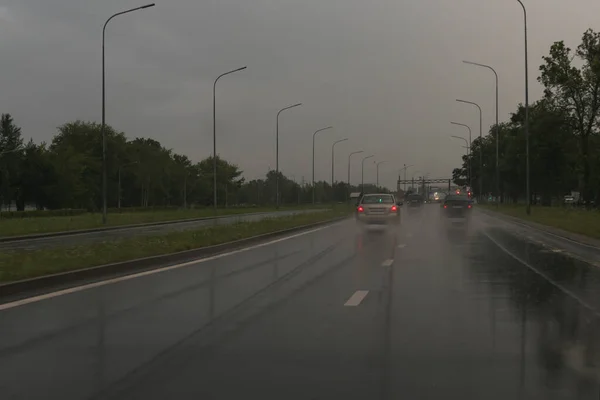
column 378, row 164
column 470, row 169
column 119, row 187
column 102, row 127
column 333, row 162
column 405, row 168
column 526, row 112
column 497, row 127
column 412, row 184
column 277, row 153
column 215, row 134
column 362, row 181
column 468, row 158
column 349, row 157
column 480, row 145
column 313, row 161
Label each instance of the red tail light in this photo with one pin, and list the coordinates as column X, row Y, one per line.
column 445, row 206
column 394, row 208
column 360, row 209
column 469, row 206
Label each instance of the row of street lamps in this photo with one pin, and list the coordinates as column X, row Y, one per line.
column 215, row 199
column 527, row 190
column 103, row 133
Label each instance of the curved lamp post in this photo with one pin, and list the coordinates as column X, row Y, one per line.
column 103, row 126
column 333, row 163
column 480, row 144
column 277, row 153
column 314, row 189
column 215, row 134
column 497, row 128
column 362, row 181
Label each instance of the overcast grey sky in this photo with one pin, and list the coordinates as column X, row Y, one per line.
column 385, row 73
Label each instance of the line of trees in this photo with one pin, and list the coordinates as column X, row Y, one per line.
column 564, row 131
column 67, row 173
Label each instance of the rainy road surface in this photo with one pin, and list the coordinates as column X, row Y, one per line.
column 333, row 313
column 148, row 230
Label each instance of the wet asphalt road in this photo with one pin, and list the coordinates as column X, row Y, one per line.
column 125, row 233
column 336, row 313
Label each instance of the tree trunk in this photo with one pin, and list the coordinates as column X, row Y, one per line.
column 585, row 190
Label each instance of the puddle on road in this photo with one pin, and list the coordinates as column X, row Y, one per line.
column 558, row 308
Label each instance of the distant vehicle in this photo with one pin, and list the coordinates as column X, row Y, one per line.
column 378, row 209
column 438, row 197
column 456, row 211
column 568, row 199
column 414, row 202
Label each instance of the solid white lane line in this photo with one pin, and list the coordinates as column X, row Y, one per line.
column 401, row 246
column 76, row 289
column 356, row 298
column 546, row 277
column 387, row 263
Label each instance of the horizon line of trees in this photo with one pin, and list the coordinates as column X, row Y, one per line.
column 564, row 129
column 67, row 173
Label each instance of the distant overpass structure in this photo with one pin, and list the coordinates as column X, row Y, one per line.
column 424, row 185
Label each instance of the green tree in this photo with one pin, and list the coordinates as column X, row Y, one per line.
column 38, row 178
column 576, row 93
column 10, row 160
column 229, row 180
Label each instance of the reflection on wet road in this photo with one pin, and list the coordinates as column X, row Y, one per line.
column 413, row 312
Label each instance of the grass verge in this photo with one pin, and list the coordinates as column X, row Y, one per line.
column 23, row 264
column 37, row 225
column 582, row 222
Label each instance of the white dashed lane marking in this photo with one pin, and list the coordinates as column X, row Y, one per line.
column 401, row 246
column 387, row 263
column 356, row 298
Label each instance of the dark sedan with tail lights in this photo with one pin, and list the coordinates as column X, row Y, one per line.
column 456, row 210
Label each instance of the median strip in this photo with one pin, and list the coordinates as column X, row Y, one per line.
column 42, row 226
column 24, row 264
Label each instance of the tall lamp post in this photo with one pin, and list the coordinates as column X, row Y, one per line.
column 527, row 189
column 378, row 164
column 362, row 180
column 480, row 144
column 103, row 126
column 405, row 168
column 468, row 158
column 349, row 157
column 333, row 164
column 313, row 161
column 215, row 133
column 497, row 128
column 470, row 168
column 277, row 152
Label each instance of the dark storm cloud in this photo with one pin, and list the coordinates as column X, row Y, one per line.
column 384, row 73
